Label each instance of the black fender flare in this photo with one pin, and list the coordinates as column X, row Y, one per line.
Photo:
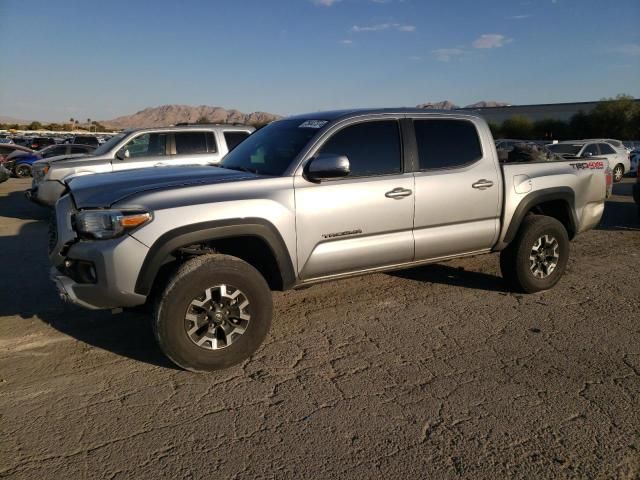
column 206, row 231
column 535, row 198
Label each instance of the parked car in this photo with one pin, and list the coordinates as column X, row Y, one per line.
column 142, row 148
column 636, row 190
column 618, row 160
column 308, row 199
column 22, row 165
column 4, row 174
column 84, row 140
column 634, row 160
column 38, row 143
column 7, row 149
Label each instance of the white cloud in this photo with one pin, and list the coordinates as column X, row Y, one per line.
column 447, row 54
column 383, row 26
column 326, row 3
column 346, row 42
column 415, row 58
column 630, row 49
column 490, row 40
column 519, row 17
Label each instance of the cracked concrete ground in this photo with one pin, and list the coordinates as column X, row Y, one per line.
column 435, row 372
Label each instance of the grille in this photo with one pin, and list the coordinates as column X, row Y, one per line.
column 53, row 231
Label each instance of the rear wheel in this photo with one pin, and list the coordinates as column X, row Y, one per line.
column 214, row 313
column 538, row 256
column 23, row 171
column 618, row 172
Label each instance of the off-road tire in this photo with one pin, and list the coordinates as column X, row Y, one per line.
column 515, row 259
column 22, row 171
column 618, row 173
column 194, row 277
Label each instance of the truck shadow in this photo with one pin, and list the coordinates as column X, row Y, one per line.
column 27, row 293
column 15, row 205
column 620, row 216
column 454, row 276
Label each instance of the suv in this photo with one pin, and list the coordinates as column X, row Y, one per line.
column 308, row 199
column 141, row 148
column 618, row 159
column 84, row 140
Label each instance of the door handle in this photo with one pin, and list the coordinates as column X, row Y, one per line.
column 482, row 184
column 398, row 193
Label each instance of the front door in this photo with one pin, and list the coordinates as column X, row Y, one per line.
column 144, row 150
column 361, row 221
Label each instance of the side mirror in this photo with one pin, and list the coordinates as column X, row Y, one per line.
column 327, row 166
column 122, row 154
column 587, row 155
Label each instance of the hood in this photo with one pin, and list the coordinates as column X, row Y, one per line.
column 102, row 190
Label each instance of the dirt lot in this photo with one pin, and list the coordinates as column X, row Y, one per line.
column 435, row 372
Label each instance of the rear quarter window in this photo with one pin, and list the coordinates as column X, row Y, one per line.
column 234, row 139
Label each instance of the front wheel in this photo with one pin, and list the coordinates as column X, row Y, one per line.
column 214, row 313
column 618, row 172
column 537, row 257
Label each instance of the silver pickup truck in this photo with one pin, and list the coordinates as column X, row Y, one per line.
column 308, row 199
column 139, row 148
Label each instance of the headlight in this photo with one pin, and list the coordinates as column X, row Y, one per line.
column 103, row 224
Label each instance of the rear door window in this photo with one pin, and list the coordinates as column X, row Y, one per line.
column 446, row 143
column 373, row 148
column 233, row 139
column 193, row 143
column 79, row 149
column 606, row 149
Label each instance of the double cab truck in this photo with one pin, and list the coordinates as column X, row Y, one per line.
column 140, row 148
column 308, row 199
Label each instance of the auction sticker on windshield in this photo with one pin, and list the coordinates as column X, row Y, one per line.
column 313, row 124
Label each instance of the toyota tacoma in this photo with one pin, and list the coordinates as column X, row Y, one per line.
column 308, row 199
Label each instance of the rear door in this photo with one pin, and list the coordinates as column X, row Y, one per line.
column 363, row 220
column 457, row 188
column 194, row 147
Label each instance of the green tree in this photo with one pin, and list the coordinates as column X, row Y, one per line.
column 34, row 126
column 550, row 129
column 495, row 130
column 519, row 127
column 615, row 118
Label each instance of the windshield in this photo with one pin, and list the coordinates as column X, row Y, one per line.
column 270, row 150
column 565, row 148
column 105, row 147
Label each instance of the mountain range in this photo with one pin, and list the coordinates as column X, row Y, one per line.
column 166, row 115
column 449, row 105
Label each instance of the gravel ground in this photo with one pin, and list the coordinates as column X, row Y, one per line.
column 434, row 372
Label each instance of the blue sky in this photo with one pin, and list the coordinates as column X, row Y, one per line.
column 83, row 58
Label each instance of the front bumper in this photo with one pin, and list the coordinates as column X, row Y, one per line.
column 115, row 263
column 46, row 193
